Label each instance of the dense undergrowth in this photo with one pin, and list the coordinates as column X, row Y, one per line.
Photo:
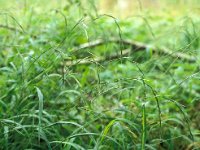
column 146, row 100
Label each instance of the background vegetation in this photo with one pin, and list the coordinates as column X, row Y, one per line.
column 56, row 94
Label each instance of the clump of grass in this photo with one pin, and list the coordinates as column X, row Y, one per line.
column 143, row 101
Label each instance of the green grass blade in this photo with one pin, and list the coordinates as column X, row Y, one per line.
column 40, row 98
column 143, row 127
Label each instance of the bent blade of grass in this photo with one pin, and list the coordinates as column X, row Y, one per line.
column 41, row 133
column 94, row 134
column 76, row 146
column 12, row 122
column 107, row 128
column 79, row 127
column 6, row 131
column 40, row 98
column 104, row 134
column 65, row 123
column 68, row 91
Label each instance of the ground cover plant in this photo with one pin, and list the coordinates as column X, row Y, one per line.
column 72, row 77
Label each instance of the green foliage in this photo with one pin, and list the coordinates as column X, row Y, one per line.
column 147, row 100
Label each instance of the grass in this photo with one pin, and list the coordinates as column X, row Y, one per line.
column 146, row 100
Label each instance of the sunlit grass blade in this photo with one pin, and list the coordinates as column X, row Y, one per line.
column 40, row 98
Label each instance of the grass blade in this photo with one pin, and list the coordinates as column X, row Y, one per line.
column 40, row 98
column 143, row 127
